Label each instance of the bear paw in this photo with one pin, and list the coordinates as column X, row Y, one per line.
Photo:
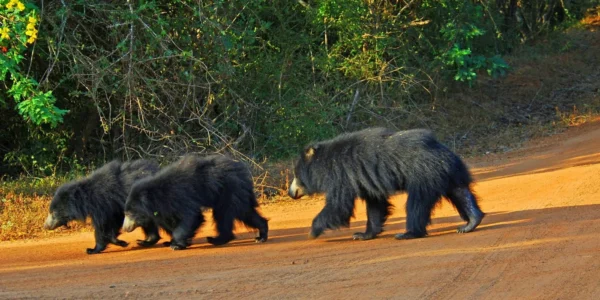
column 471, row 225
column 363, row 236
column 315, row 233
column 176, row 247
column 92, row 251
column 145, row 243
column 218, row 241
column 408, row 236
column 121, row 243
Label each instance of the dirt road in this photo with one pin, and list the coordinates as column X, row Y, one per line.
column 540, row 239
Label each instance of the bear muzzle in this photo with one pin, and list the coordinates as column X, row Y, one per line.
column 51, row 222
column 128, row 224
column 295, row 191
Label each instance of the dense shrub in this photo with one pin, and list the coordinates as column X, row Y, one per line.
column 161, row 78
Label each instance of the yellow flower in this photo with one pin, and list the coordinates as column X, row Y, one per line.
column 32, row 20
column 31, row 32
column 30, row 26
column 12, row 3
column 4, row 33
column 32, row 39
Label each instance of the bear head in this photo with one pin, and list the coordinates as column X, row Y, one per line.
column 302, row 184
column 137, row 212
column 66, row 205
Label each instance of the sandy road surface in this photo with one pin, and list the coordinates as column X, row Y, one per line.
column 540, row 239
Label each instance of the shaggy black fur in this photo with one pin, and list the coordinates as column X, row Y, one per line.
column 102, row 196
column 374, row 164
column 174, row 199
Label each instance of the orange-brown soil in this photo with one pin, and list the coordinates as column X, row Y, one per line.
column 540, row 239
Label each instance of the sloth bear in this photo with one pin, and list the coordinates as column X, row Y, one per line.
column 175, row 197
column 102, row 196
column 375, row 163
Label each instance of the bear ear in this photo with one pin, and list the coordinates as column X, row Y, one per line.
column 310, row 151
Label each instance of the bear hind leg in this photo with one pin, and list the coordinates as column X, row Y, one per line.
column 466, row 204
column 378, row 211
column 255, row 220
column 224, row 220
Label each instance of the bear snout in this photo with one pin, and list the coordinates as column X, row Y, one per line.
column 295, row 191
column 128, row 224
column 51, row 222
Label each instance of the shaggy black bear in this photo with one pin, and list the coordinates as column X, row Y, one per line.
column 102, row 196
column 374, row 164
column 175, row 197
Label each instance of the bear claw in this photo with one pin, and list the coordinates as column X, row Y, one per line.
column 176, row 247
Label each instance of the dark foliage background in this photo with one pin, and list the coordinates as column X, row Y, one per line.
column 258, row 79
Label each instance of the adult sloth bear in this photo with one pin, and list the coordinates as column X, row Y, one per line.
column 175, row 196
column 374, row 164
column 102, row 196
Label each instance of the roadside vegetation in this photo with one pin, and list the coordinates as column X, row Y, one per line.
column 85, row 82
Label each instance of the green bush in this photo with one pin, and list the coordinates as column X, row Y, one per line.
column 254, row 78
column 17, row 32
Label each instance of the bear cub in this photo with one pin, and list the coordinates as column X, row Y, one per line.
column 175, row 197
column 102, row 196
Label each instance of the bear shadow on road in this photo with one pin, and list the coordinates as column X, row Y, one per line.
column 440, row 226
column 583, row 216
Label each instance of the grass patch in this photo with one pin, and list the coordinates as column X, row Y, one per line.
column 24, row 206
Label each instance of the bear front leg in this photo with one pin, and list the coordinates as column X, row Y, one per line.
column 118, row 242
column 97, row 249
column 337, row 212
column 181, row 239
column 106, row 231
column 152, row 236
column 114, row 230
column 185, row 231
column 101, row 242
